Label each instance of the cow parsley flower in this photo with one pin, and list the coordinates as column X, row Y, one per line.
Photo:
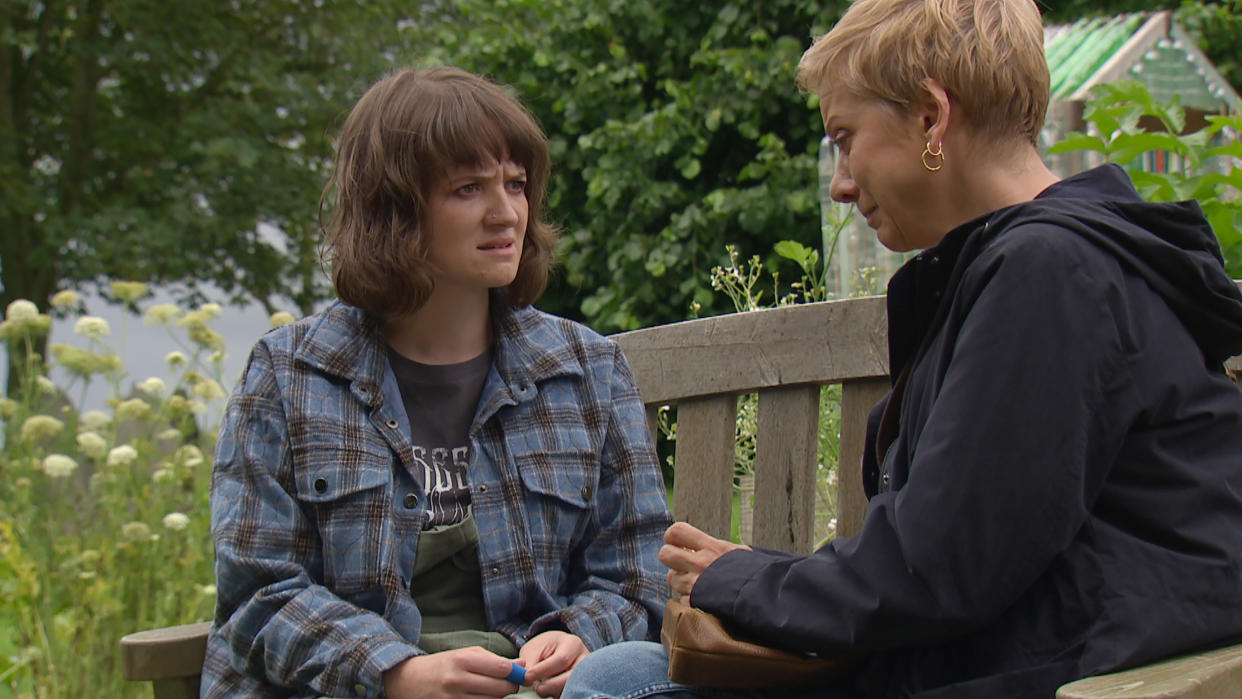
column 128, row 292
column 93, row 327
column 280, row 318
column 122, row 455
column 176, row 521
column 59, row 466
column 40, row 427
column 92, row 445
column 66, row 299
column 161, row 314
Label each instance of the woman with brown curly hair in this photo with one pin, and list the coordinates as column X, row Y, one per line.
column 431, row 477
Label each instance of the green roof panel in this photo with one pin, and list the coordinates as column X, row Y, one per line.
column 1078, row 51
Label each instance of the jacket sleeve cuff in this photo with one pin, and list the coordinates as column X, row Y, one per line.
column 719, row 587
column 372, row 662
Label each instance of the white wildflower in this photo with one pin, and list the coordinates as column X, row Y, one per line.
column 189, row 455
column 83, row 361
column 128, row 291
column 59, row 466
column 132, row 409
column 45, row 386
column 136, row 531
column 176, row 521
column 280, row 318
column 122, row 455
column 161, row 314
column 66, row 299
column 153, row 386
column 92, row 445
column 93, row 327
column 175, row 359
column 39, row 427
column 94, row 420
column 21, row 309
column 209, row 389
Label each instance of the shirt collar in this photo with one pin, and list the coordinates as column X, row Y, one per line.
column 348, row 342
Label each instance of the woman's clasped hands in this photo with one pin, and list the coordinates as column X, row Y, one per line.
column 475, row 672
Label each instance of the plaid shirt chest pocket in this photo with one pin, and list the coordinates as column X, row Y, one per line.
column 560, row 487
column 347, row 490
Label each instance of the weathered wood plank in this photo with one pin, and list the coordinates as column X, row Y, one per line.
column 823, row 343
column 1210, row 675
column 653, row 421
column 703, row 463
column 857, row 399
column 178, row 688
column 786, row 445
column 171, row 653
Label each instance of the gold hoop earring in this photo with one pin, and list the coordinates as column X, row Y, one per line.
column 929, row 153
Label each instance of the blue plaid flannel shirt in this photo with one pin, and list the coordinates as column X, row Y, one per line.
column 316, row 508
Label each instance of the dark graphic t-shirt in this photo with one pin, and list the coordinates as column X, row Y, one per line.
column 440, row 400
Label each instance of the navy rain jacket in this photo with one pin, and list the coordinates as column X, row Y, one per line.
column 1063, row 495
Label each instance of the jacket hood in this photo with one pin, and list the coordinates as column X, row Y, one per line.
column 1170, row 245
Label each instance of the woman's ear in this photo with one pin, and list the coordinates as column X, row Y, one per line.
column 934, row 111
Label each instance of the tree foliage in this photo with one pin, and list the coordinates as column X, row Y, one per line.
column 676, row 128
column 148, row 140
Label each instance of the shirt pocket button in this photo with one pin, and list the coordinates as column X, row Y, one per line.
column 321, row 485
column 410, row 501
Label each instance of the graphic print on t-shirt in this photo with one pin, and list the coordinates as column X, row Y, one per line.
column 440, row 401
column 444, row 475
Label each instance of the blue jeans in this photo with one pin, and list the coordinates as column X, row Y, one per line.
column 639, row 669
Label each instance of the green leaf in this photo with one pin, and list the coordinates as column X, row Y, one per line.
column 793, row 250
column 689, row 167
column 1077, row 142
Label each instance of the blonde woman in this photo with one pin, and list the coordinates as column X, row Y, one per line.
column 1055, row 478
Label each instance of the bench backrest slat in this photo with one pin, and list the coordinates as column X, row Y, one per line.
column 785, row 483
column 703, row 480
column 785, row 355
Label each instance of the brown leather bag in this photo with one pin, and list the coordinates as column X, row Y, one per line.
column 702, row 652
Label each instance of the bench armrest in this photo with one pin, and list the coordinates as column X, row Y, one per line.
column 162, row 654
column 1213, row 674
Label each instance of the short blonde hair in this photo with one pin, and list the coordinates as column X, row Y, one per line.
column 988, row 55
column 403, row 137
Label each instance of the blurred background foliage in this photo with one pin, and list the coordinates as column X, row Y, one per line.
column 185, row 144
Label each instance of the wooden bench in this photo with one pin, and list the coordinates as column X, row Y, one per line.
column 703, row 366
